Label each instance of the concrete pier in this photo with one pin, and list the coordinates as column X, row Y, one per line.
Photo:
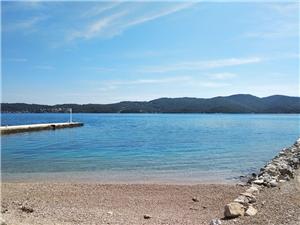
column 37, row 127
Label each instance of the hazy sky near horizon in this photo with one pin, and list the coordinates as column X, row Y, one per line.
column 104, row 52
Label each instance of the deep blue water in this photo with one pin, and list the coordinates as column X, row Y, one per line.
column 171, row 146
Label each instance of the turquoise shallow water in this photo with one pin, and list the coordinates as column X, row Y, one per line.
column 146, row 147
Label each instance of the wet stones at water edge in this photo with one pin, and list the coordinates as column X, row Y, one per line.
column 280, row 169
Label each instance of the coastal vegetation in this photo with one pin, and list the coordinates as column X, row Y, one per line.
column 241, row 103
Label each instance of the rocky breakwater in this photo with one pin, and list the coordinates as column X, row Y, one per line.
column 280, row 169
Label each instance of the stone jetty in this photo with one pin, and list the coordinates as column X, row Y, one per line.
column 37, row 127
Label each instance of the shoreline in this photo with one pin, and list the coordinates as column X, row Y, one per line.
column 118, row 177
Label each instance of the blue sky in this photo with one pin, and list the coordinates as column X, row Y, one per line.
column 104, row 52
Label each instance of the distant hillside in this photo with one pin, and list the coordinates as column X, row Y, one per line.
column 231, row 104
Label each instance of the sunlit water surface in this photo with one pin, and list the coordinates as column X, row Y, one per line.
column 145, row 147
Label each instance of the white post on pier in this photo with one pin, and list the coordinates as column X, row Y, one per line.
column 70, row 115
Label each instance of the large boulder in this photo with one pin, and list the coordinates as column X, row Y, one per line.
column 233, row 210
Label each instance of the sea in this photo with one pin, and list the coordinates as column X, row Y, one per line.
column 144, row 148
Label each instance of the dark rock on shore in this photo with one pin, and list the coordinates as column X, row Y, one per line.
column 146, row 216
column 26, row 209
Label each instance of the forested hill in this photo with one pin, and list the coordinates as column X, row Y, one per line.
column 231, row 104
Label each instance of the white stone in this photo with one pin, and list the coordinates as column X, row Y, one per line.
column 273, row 183
column 251, row 211
column 215, row 222
column 259, row 182
column 252, row 190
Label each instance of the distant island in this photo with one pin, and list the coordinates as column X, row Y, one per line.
column 240, row 103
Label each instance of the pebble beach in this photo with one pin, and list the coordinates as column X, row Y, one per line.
column 134, row 204
column 67, row 204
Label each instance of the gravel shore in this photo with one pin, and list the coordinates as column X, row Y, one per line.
column 136, row 204
column 90, row 203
